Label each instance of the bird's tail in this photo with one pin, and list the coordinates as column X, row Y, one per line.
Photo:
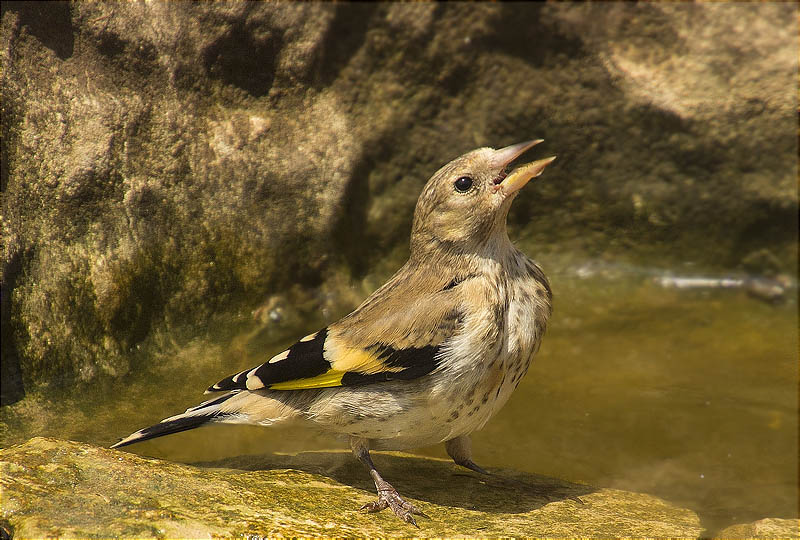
column 206, row 412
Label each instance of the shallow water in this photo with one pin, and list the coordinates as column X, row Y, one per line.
column 690, row 395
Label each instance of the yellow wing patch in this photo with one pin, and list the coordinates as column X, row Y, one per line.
column 343, row 358
column 329, row 379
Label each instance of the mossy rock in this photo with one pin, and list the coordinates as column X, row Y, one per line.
column 68, row 489
column 767, row 528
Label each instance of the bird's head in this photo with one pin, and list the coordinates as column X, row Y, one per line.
column 464, row 205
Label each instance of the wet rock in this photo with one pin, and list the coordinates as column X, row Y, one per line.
column 166, row 164
column 772, row 291
column 69, row 489
column 763, row 528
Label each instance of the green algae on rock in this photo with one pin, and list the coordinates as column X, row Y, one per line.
column 768, row 528
column 68, row 489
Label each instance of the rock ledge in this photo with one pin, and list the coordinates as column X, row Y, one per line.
column 68, row 489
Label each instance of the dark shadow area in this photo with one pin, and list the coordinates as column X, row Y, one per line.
column 12, row 389
column 349, row 231
column 345, row 36
column 139, row 58
column 6, row 530
column 49, row 22
column 768, row 219
column 525, row 36
column 435, row 481
column 241, row 59
column 9, row 121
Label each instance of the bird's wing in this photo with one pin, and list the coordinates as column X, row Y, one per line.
column 396, row 334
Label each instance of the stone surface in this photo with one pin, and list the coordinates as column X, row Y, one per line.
column 69, row 489
column 166, row 165
column 763, row 528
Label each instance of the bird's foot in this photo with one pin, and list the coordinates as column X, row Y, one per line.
column 496, row 479
column 471, row 465
column 389, row 498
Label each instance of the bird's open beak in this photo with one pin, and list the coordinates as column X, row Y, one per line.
column 506, row 155
column 521, row 175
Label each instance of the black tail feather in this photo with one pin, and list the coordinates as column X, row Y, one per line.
column 164, row 428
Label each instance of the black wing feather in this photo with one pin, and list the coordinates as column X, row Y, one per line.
column 305, row 359
column 415, row 362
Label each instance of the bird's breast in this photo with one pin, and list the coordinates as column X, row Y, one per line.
column 495, row 347
column 500, row 323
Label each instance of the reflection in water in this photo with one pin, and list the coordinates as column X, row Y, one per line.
column 644, row 383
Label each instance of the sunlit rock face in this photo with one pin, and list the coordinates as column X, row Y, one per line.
column 168, row 164
column 116, row 494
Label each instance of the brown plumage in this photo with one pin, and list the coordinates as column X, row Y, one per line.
column 431, row 355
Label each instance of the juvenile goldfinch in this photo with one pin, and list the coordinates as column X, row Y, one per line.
column 431, row 355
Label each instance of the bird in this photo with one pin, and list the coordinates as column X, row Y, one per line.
column 427, row 358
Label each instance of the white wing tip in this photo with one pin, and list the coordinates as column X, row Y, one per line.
column 278, row 357
column 309, row 337
column 253, row 382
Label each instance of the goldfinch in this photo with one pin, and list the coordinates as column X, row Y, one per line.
column 431, row 355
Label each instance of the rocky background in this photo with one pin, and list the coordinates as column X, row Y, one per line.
column 164, row 163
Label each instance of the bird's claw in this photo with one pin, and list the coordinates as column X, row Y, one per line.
column 389, row 498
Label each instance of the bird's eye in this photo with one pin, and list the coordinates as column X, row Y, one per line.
column 463, row 184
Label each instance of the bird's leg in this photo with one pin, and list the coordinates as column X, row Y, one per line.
column 387, row 495
column 460, row 449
